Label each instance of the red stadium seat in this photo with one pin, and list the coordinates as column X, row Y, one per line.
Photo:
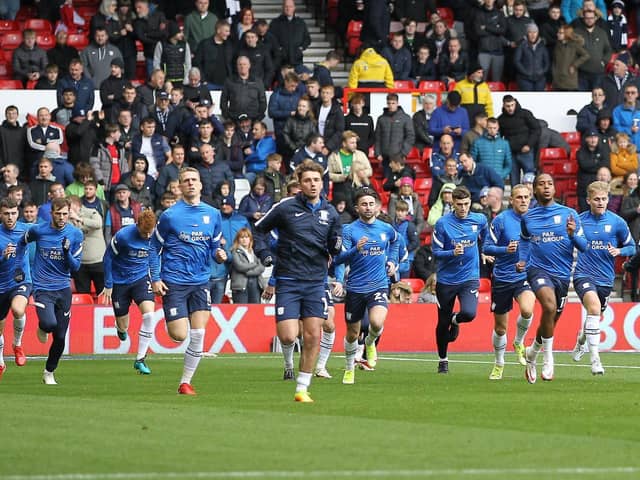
column 553, row 154
column 11, row 85
column 570, row 200
column 353, row 29
column 414, row 154
column 572, row 138
column 451, row 86
column 78, row 41
column 45, row 40
column 446, row 14
column 5, row 71
column 11, row 40
column 566, row 168
column 9, row 25
column 512, row 86
column 81, row 299
column 406, row 84
column 417, row 284
column 432, row 86
column 38, row 24
column 496, row 86
column 426, row 154
column 26, row 12
column 31, row 84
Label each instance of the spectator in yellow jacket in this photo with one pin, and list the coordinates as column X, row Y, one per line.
column 475, row 92
column 370, row 70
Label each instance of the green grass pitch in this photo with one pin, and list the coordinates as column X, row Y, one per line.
column 103, row 421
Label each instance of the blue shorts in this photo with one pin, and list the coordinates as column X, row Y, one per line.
column 24, row 290
column 182, row 300
column 123, row 294
column 295, row 299
column 357, row 304
column 503, row 294
column 538, row 278
column 583, row 285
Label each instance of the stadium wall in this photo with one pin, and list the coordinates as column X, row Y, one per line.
column 550, row 106
column 250, row 329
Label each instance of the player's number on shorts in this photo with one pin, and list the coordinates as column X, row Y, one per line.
column 325, row 306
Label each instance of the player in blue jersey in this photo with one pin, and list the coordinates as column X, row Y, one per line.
column 188, row 238
column 127, row 278
column 370, row 247
column 58, row 254
column 309, row 232
column 508, row 284
column 549, row 233
column 15, row 279
column 608, row 237
column 455, row 247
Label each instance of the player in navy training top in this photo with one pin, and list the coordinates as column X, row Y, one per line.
column 127, row 278
column 365, row 247
column 508, row 284
column 15, row 279
column 549, row 233
column 58, row 254
column 309, row 232
column 608, row 237
column 455, row 247
column 188, row 237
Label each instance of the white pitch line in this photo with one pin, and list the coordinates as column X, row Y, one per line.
column 463, row 472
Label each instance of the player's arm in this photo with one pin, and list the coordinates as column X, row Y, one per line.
column 217, row 252
column 491, row 245
column 393, row 255
column 439, row 241
column 157, row 244
column 625, row 240
column 524, row 246
column 334, row 240
column 575, row 232
column 349, row 250
column 72, row 248
column 107, row 261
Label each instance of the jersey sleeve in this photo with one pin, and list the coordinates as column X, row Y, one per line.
column 490, row 246
column 216, row 235
column 74, row 255
column 107, row 261
column 525, row 242
column 439, row 241
column 625, row 240
column 578, row 239
column 394, row 247
column 334, row 241
column 348, row 249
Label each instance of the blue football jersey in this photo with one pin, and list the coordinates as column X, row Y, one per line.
column 8, row 266
column 450, row 231
column 596, row 263
column 127, row 259
column 504, row 228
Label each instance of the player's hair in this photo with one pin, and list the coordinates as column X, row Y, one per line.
column 8, row 203
column 365, row 192
column 402, row 205
column 308, row 165
column 244, row 231
column 460, row 193
column 597, row 187
column 519, row 186
column 187, row 170
column 60, row 203
column 348, row 134
column 147, row 220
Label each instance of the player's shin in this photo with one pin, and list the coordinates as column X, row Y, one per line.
column 592, row 332
column 522, row 324
column 350, row 349
column 326, row 345
column 145, row 335
column 18, row 329
column 193, row 354
column 499, row 346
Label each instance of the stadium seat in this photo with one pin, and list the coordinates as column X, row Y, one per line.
column 446, row 14
column 485, row 285
column 426, row 154
column 11, row 85
column 450, row 87
column 31, row 84
column 553, row 154
column 38, row 24
column 332, row 12
column 404, row 84
column 417, row 284
column 423, row 184
column 512, row 86
column 565, row 168
column 78, row 41
column 26, row 12
column 570, row 200
column 11, row 40
column 8, row 26
column 432, row 86
column 81, row 299
column 353, row 29
column 414, row 154
column 395, row 26
column 496, row 86
column 5, row 71
column 45, row 40
column 242, row 187
column 572, row 138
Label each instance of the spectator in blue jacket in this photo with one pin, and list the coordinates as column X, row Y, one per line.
column 261, row 147
column 256, row 203
column 83, row 86
column 283, row 103
column 492, row 150
column 476, row 176
column 451, row 119
column 399, row 57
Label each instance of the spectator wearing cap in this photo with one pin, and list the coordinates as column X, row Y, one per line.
column 626, row 116
column 112, row 87
column 490, row 26
column 596, row 43
column 475, row 176
column 214, row 56
column 450, row 119
column 243, row 135
column 97, row 56
column 527, row 180
column 260, row 59
column 605, row 128
column 475, row 94
column 590, row 159
column 123, row 211
column 173, row 55
column 614, row 83
column 160, row 113
column 257, row 153
column 531, row 61
column 522, row 130
column 394, row 132
column 492, row 150
column 243, row 93
column 291, row 33
column 199, row 24
column 82, row 84
column 406, row 193
column 108, row 158
column 82, row 134
column 618, row 28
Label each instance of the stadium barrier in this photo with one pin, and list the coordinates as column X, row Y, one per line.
column 250, row 328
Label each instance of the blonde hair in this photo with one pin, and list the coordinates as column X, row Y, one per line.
column 244, row 231
column 631, row 148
